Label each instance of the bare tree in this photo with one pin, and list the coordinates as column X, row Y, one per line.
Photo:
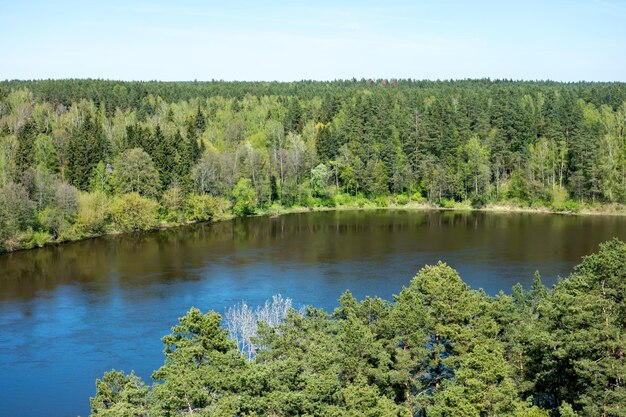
column 242, row 322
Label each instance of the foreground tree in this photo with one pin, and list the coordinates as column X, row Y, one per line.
column 120, row 395
column 202, row 368
column 584, row 320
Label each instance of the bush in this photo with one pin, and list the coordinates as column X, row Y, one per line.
column 361, row 201
column 16, row 213
column 381, row 201
column 344, row 199
column 205, row 207
column 93, row 211
column 39, row 238
column 402, row 199
column 329, row 201
column 314, row 202
column 245, row 198
column 447, row 203
column 479, row 201
column 132, row 212
column 174, row 204
column 417, row 197
column 561, row 202
column 52, row 219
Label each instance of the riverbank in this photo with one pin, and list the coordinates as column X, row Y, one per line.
column 596, row 210
column 358, row 204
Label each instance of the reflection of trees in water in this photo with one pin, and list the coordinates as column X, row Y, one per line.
column 28, row 272
column 183, row 253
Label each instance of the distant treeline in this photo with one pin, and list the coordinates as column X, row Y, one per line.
column 73, row 153
column 130, row 94
column 439, row 349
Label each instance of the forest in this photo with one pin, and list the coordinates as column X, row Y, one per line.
column 438, row 349
column 82, row 158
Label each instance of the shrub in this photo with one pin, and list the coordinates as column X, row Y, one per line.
column 16, row 213
column 479, row 201
column 447, row 203
column 132, row 212
column 53, row 219
column 402, row 199
column 561, row 201
column 381, row 201
column 361, row 201
column 329, row 201
column 174, row 204
column 314, row 202
column 245, row 198
column 206, row 208
column 39, row 238
column 344, row 199
column 417, row 197
column 93, row 211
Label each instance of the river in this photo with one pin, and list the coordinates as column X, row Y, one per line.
column 68, row 313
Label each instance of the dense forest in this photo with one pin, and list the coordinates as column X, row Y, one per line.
column 81, row 158
column 439, row 349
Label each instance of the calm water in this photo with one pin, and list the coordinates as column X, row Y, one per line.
column 71, row 312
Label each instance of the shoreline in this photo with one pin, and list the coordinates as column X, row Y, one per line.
column 605, row 211
column 491, row 208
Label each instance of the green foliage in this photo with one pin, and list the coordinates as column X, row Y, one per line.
column 134, row 172
column 86, row 147
column 585, row 317
column 518, row 187
column 173, row 203
column 120, row 395
column 101, row 179
column 45, row 153
column 319, row 180
column 132, row 212
column 201, row 369
column 402, row 199
column 245, row 198
column 206, row 208
column 16, row 214
column 39, row 239
column 447, row 203
column 381, row 201
column 93, row 212
column 561, row 202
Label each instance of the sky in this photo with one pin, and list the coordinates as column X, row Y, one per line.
column 562, row 40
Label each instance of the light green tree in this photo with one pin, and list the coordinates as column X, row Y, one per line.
column 45, row 153
column 319, row 180
column 134, row 172
column 477, row 165
column 132, row 212
column 245, row 199
column 93, row 211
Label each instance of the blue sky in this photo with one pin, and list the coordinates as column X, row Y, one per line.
column 293, row 40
